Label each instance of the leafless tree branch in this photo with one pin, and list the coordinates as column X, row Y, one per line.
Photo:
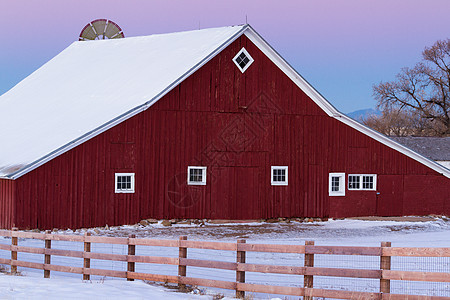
column 423, row 90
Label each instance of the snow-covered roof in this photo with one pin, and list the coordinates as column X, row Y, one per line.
column 94, row 83
column 92, row 86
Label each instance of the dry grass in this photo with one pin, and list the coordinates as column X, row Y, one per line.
column 6, row 270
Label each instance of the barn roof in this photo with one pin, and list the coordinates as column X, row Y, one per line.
column 435, row 148
column 94, row 83
column 92, row 86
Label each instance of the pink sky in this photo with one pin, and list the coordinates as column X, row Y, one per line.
column 341, row 47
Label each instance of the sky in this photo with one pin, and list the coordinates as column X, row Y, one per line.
column 341, row 47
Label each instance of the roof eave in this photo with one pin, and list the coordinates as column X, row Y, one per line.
column 394, row 145
column 289, row 71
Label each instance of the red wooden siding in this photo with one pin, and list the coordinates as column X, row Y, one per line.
column 238, row 126
column 7, row 192
column 389, row 200
column 426, row 192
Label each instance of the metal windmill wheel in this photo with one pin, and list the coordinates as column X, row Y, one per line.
column 101, row 29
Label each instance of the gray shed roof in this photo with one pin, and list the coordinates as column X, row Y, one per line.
column 435, row 148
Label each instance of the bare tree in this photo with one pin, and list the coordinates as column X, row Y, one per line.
column 423, row 89
column 395, row 122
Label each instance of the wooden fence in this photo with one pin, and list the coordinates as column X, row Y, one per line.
column 384, row 273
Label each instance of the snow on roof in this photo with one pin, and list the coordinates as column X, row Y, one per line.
column 91, row 83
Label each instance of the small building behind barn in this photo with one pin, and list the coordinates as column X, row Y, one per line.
column 209, row 123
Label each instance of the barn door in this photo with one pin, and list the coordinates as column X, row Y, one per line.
column 247, row 192
column 235, row 192
column 389, row 195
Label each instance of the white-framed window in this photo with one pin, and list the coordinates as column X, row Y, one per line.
column 367, row 182
column 196, row 176
column 279, row 175
column 124, row 182
column 243, row 60
column 354, row 182
column 336, row 185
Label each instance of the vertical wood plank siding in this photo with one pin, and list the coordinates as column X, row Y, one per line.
column 7, row 194
column 237, row 125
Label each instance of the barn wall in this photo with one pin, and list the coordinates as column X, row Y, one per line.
column 237, row 125
column 7, row 196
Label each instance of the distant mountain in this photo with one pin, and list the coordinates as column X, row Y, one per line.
column 361, row 114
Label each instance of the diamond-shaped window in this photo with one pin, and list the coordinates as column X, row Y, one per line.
column 243, row 60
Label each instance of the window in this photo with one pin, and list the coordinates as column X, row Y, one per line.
column 124, row 183
column 367, row 182
column 196, row 176
column 279, row 175
column 243, row 60
column 362, row 182
column 336, row 184
column 353, row 182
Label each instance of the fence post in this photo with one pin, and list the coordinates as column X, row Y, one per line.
column 182, row 253
column 385, row 264
column 308, row 279
column 47, row 257
column 86, row 261
column 14, row 242
column 240, row 275
column 131, row 251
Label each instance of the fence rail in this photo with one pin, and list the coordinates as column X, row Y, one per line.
column 308, row 270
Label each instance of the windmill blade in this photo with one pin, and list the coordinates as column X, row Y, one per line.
column 99, row 27
column 88, row 33
column 113, row 31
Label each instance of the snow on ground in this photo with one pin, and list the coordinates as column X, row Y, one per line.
column 433, row 232
column 36, row 287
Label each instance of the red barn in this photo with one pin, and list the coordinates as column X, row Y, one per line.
column 210, row 124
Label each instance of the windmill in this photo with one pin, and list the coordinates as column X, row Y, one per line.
column 101, row 29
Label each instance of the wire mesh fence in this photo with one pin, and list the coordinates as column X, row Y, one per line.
column 421, row 264
column 268, row 259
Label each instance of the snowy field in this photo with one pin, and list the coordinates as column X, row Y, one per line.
column 33, row 286
column 413, row 233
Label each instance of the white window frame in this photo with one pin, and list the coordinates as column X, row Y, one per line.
column 361, row 188
column 273, row 168
column 131, row 190
column 341, row 191
column 203, row 182
column 250, row 58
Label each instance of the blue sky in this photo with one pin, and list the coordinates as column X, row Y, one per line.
column 341, row 47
